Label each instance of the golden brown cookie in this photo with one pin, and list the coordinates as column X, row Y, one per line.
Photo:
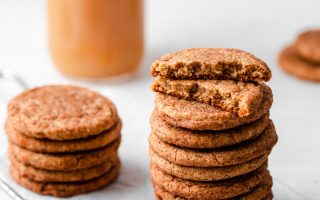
column 67, row 189
column 206, row 173
column 260, row 192
column 206, row 139
column 231, row 155
column 307, row 45
column 200, row 116
column 237, row 97
column 211, row 63
column 293, row 64
column 42, row 175
column 209, row 190
column 67, row 161
column 60, row 112
column 54, row 146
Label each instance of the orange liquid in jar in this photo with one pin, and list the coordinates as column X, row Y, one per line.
column 95, row 38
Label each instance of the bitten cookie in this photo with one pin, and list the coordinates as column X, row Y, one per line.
column 66, row 189
column 209, row 190
column 232, row 155
column 54, row 146
column 206, row 173
column 61, row 112
column 206, row 139
column 199, row 116
column 211, row 63
column 293, row 64
column 42, row 175
column 237, row 97
column 65, row 162
column 307, row 45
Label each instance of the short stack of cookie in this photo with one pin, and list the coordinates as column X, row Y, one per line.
column 210, row 130
column 63, row 140
column 302, row 59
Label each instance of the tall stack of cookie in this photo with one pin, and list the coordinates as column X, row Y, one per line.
column 211, row 133
column 302, row 59
column 63, row 140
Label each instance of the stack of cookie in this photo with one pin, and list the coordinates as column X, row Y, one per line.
column 211, row 133
column 63, row 140
column 302, row 59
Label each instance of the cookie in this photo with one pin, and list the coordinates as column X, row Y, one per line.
column 293, row 64
column 224, row 156
column 54, row 146
column 209, row 190
column 237, row 97
column 307, row 45
column 206, row 173
column 42, row 175
column 200, row 116
column 64, row 162
column 60, row 112
column 66, row 189
column 211, row 63
column 206, row 139
column 261, row 191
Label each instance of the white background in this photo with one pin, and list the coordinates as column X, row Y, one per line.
column 261, row 27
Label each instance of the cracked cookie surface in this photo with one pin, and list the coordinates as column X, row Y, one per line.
column 61, row 112
column 237, row 97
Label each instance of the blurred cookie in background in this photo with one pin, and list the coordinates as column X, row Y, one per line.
column 302, row 59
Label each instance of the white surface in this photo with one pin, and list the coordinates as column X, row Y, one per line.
column 261, row 27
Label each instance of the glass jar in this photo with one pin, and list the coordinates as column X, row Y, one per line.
column 95, row 38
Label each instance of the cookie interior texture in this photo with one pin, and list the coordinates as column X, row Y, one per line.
column 294, row 64
column 211, row 63
column 67, row 189
column 206, row 139
column 210, row 190
column 61, row 112
column 200, row 116
column 237, row 97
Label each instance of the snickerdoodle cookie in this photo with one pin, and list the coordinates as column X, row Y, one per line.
column 60, row 112
column 211, row 63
